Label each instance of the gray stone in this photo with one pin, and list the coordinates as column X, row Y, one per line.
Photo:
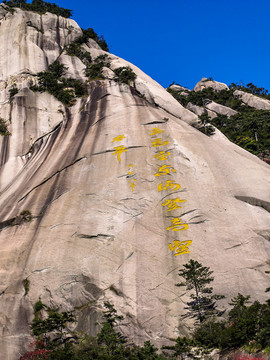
column 220, row 109
column 215, row 85
column 199, row 110
column 94, row 238
column 252, row 100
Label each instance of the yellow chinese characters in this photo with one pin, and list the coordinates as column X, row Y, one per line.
column 172, row 204
column 162, row 155
column 132, row 184
column 118, row 138
column 156, row 131
column 118, row 151
column 131, row 169
column 170, row 184
column 181, row 247
column 165, row 170
column 159, row 142
column 177, row 225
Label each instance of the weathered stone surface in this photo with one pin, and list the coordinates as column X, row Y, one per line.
column 184, row 91
column 220, row 109
column 92, row 238
column 204, row 83
column 199, row 110
column 252, row 100
column 212, row 108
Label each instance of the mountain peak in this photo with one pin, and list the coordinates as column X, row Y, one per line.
column 120, row 189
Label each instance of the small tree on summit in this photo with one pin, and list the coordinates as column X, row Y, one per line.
column 197, row 277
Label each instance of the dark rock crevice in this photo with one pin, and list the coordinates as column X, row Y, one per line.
column 254, row 201
column 53, row 175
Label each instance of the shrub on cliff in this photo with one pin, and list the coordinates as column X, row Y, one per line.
column 249, row 128
column 196, row 278
column 125, row 75
column 54, row 340
column 40, row 7
column 3, row 128
column 64, row 89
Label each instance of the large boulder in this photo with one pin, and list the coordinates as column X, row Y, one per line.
column 205, row 83
column 219, row 109
column 252, row 100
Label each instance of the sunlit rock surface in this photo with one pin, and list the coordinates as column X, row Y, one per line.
column 206, row 83
column 111, row 183
column 252, row 100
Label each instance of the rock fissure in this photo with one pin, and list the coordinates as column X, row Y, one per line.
column 113, row 150
column 254, row 202
column 30, row 151
column 49, row 178
column 85, row 236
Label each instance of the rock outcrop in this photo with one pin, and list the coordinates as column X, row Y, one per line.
column 252, row 100
column 122, row 190
column 205, row 83
column 212, row 109
column 219, row 109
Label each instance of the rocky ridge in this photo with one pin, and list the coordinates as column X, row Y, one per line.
column 100, row 179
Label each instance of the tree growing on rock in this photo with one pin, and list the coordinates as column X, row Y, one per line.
column 203, row 303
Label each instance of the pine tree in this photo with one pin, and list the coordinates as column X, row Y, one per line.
column 197, row 277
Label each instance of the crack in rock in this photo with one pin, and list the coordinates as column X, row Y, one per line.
column 264, row 233
column 41, row 137
column 85, row 236
column 40, row 270
column 133, row 217
column 232, row 247
column 50, row 177
column 254, row 201
column 129, row 256
column 3, row 292
column 157, row 122
column 108, row 151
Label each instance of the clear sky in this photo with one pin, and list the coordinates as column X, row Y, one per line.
column 184, row 40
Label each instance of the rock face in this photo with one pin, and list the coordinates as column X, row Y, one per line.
column 182, row 90
column 212, row 108
column 123, row 191
column 205, row 83
column 252, row 100
column 220, row 109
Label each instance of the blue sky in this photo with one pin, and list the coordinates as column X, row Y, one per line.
column 184, row 40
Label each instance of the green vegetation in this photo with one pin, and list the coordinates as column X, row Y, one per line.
column 246, row 328
column 245, row 325
column 251, row 89
column 13, row 91
column 3, row 128
column 94, row 71
column 205, row 126
column 26, row 216
column 75, row 49
column 64, row 89
column 249, row 128
column 55, row 341
column 39, row 6
column 223, row 97
column 26, row 285
column 203, row 304
column 125, row 75
column 29, row 23
column 90, row 34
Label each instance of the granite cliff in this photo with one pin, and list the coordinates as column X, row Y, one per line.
column 120, row 188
